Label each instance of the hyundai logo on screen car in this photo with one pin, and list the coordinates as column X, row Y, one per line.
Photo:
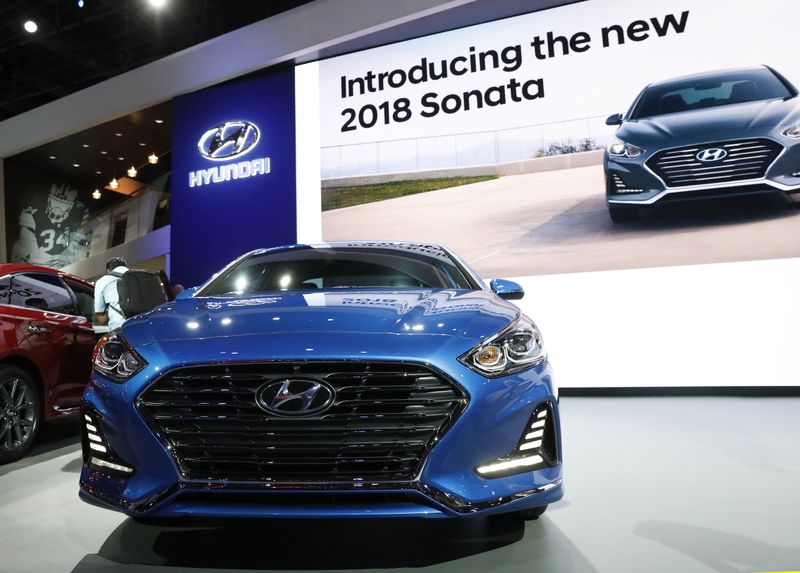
column 712, row 154
column 224, row 142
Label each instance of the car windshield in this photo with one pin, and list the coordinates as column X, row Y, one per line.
column 329, row 268
column 709, row 91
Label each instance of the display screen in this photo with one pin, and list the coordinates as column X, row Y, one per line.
column 628, row 159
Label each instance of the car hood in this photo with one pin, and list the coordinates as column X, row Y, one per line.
column 291, row 323
column 733, row 121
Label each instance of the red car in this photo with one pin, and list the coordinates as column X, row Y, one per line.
column 45, row 351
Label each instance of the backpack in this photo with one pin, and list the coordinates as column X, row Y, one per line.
column 139, row 292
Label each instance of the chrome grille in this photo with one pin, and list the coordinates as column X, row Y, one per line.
column 383, row 421
column 745, row 160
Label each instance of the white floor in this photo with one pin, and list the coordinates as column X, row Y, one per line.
column 689, row 485
column 725, row 324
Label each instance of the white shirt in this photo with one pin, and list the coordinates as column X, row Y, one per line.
column 106, row 298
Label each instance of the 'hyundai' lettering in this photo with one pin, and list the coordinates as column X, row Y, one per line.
column 222, row 173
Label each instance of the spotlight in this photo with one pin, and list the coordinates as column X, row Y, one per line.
column 157, row 3
column 96, row 194
column 132, row 172
column 152, row 158
column 30, row 26
column 159, row 121
column 81, row 3
column 113, row 183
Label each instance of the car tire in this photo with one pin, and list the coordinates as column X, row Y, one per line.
column 20, row 413
column 623, row 214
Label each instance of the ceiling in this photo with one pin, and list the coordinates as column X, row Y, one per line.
column 93, row 157
column 74, row 47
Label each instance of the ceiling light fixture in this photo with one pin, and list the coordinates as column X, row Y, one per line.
column 159, row 121
column 142, row 144
column 157, row 3
column 113, row 184
column 132, row 172
column 76, row 164
column 52, row 157
column 121, row 158
column 104, row 153
column 99, row 172
column 118, row 134
column 152, row 158
column 81, row 4
column 96, row 194
column 85, row 146
column 30, row 26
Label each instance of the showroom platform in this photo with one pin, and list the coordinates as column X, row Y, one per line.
column 653, row 484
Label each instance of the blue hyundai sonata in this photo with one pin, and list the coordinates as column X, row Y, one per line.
column 342, row 380
column 710, row 135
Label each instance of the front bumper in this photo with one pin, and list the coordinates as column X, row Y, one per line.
column 490, row 428
column 631, row 181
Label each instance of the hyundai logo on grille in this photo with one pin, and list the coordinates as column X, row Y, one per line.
column 228, row 140
column 712, row 154
column 295, row 397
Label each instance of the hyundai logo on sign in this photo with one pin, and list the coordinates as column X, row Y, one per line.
column 224, row 142
column 295, row 397
column 712, row 154
column 228, row 140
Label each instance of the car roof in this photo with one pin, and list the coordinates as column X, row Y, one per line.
column 431, row 249
column 708, row 74
column 13, row 268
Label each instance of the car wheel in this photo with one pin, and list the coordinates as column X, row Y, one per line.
column 531, row 514
column 20, row 413
column 623, row 214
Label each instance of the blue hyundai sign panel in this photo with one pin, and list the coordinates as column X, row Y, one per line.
column 358, row 379
column 233, row 173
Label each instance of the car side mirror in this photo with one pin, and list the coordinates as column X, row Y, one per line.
column 186, row 293
column 615, row 119
column 508, row 290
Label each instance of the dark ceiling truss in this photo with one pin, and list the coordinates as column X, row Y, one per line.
column 75, row 48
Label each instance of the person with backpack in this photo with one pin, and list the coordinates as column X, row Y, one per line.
column 106, row 295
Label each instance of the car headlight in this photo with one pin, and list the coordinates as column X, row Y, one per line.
column 618, row 148
column 515, row 348
column 793, row 132
column 115, row 359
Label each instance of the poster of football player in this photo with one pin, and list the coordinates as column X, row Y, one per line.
column 53, row 234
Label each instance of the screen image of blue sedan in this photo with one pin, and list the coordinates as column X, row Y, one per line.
column 343, row 380
column 710, row 135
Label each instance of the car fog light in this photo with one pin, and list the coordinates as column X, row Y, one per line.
column 100, row 463
column 536, row 448
column 506, row 466
column 94, row 443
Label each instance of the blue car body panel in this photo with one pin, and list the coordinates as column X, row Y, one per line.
column 430, row 327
